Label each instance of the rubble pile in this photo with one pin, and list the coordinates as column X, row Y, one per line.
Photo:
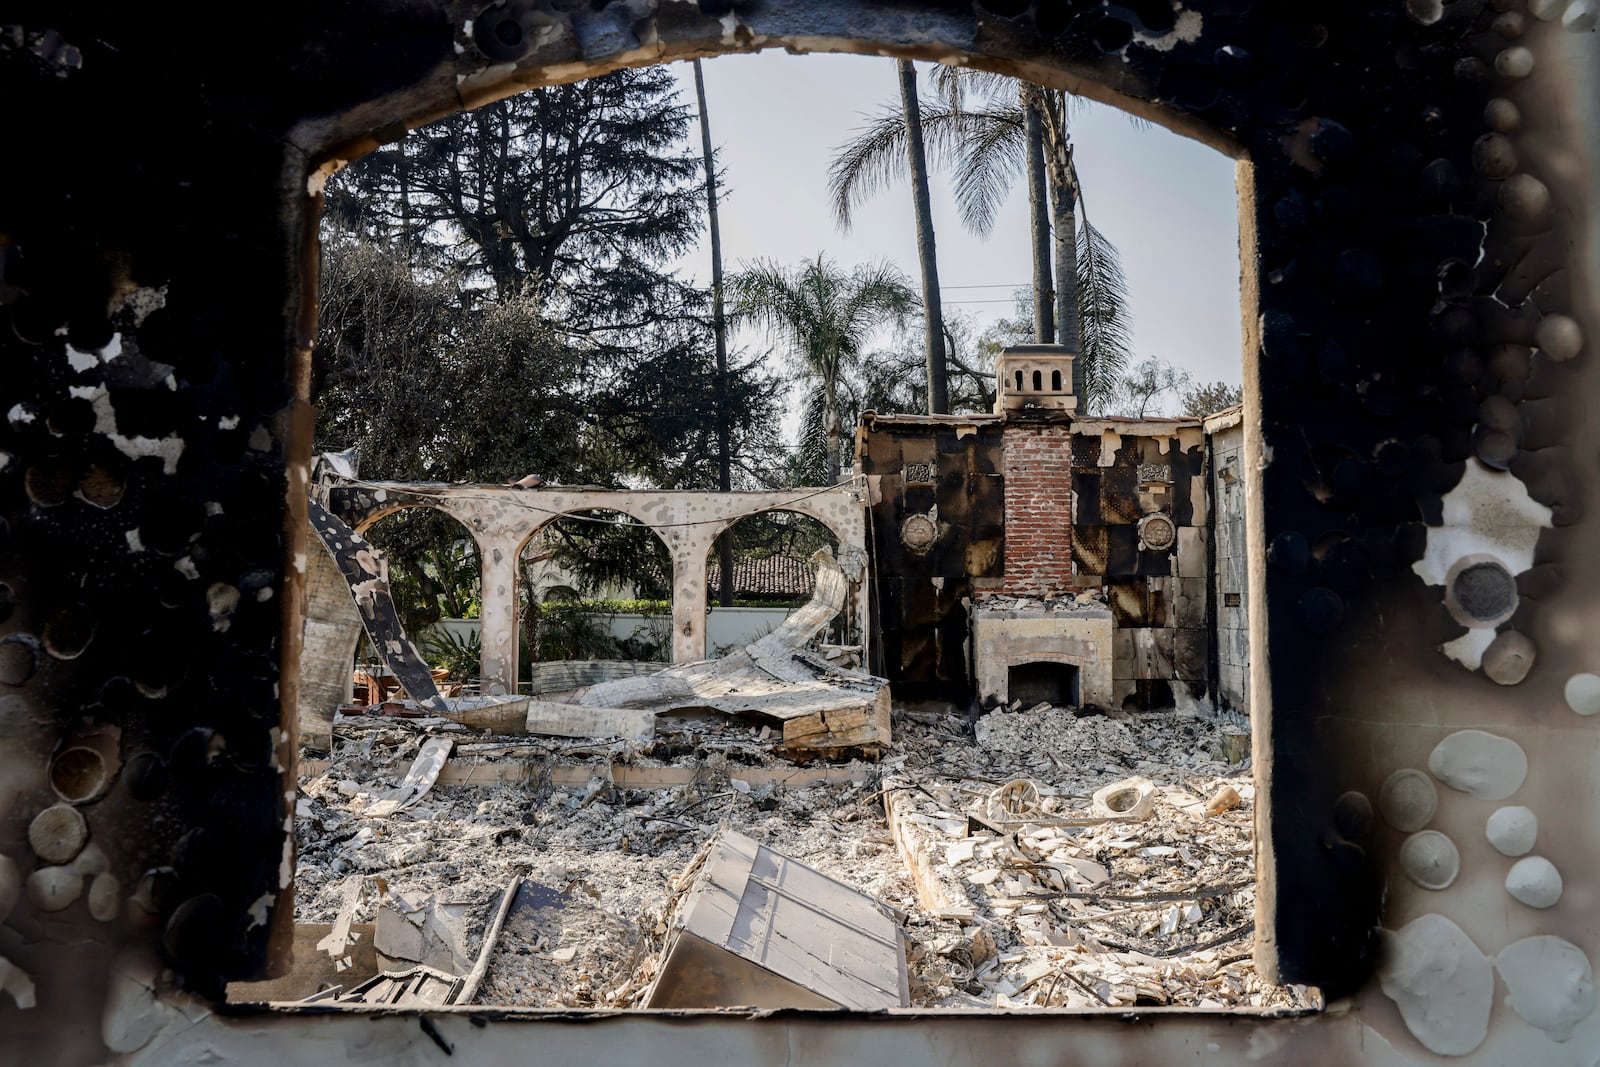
column 1019, row 888
column 1066, row 903
column 597, row 861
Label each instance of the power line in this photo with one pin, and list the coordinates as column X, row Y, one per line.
column 996, row 285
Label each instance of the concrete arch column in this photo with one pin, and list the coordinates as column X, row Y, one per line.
column 690, row 545
column 497, row 609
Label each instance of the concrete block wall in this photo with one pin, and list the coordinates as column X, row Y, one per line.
column 1038, row 472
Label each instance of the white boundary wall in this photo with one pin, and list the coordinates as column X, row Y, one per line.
column 727, row 629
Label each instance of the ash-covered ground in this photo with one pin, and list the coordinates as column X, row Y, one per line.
column 1154, row 911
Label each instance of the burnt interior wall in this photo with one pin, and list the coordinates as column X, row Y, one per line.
column 1071, row 500
column 1158, row 594
column 1417, row 300
column 953, row 476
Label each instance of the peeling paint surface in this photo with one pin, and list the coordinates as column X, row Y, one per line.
column 1442, row 984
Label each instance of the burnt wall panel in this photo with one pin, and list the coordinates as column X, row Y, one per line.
column 1086, row 498
column 1119, row 501
column 921, row 620
column 1091, row 550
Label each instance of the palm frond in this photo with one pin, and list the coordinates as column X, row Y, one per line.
column 764, row 292
column 873, row 159
column 878, row 291
column 821, row 314
column 992, row 154
column 811, row 453
column 956, row 85
column 1103, row 313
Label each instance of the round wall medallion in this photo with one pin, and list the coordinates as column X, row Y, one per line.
column 918, row 533
column 1157, row 532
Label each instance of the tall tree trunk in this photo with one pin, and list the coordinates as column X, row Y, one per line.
column 1064, row 212
column 405, row 198
column 719, row 326
column 933, row 314
column 1044, row 319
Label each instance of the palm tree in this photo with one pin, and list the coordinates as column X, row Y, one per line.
column 824, row 315
column 981, row 128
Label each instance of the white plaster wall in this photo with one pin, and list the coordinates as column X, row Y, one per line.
column 726, row 628
column 330, row 632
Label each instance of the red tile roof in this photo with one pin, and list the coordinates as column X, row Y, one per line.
column 765, row 576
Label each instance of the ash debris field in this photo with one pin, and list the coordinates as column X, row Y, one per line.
column 1014, row 885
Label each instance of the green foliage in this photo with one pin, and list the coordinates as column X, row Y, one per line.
column 434, row 571
column 823, row 316
column 611, row 552
column 619, row 606
column 496, row 301
column 461, row 656
column 1105, row 322
column 628, row 607
column 1208, row 398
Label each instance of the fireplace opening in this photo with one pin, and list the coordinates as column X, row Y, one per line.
column 1052, row 683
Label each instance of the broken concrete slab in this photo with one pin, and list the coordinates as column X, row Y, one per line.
column 497, row 714
column 819, row 707
column 418, row 928
column 554, row 719
column 419, row 778
column 758, row 929
column 939, row 891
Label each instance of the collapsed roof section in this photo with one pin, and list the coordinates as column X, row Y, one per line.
column 817, row 706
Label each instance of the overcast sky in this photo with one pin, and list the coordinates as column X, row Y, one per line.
column 1166, row 202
